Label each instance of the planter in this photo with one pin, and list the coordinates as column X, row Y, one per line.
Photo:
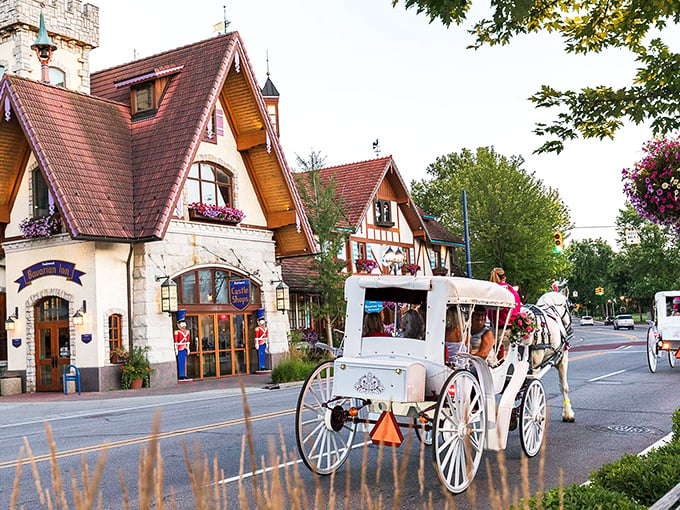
column 440, row 271
column 117, row 360
column 136, row 384
column 194, row 216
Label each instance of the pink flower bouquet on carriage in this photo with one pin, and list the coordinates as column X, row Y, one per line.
column 522, row 329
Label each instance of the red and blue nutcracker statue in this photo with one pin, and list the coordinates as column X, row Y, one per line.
column 261, row 337
column 181, row 344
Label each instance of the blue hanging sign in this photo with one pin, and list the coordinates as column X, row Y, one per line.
column 50, row 268
column 86, row 338
column 239, row 293
column 16, row 342
column 373, row 306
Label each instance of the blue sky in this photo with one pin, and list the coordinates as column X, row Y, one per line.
column 352, row 71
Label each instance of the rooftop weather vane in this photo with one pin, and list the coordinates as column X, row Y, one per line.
column 376, row 148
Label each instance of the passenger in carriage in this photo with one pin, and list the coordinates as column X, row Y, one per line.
column 412, row 325
column 373, row 325
column 453, row 339
column 482, row 340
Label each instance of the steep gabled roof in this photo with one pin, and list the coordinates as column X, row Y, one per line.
column 128, row 171
column 356, row 185
column 86, row 162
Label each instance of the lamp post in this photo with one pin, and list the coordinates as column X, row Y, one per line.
column 168, row 295
column 282, row 296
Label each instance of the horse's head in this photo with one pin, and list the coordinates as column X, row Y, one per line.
column 561, row 302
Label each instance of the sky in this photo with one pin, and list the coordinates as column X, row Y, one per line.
column 352, row 71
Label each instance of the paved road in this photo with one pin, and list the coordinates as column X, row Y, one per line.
column 620, row 408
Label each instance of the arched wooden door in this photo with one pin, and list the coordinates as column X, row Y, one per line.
column 52, row 343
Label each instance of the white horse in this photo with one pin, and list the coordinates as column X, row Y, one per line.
column 549, row 346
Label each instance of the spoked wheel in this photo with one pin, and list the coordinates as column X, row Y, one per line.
column 459, row 431
column 651, row 350
column 323, row 429
column 532, row 418
column 671, row 357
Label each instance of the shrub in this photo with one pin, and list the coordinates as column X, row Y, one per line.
column 646, row 478
column 578, row 497
column 292, row 368
column 676, row 425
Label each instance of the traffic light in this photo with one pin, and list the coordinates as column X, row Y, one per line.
column 599, row 291
column 558, row 242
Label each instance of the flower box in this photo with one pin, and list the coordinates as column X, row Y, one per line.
column 215, row 213
column 411, row 269
column 41, row 226
column 365, row 265
column 440, row 271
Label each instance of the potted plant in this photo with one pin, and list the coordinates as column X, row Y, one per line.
column 135, row 372
column 411, row 269
column 365, row 265
column 118, row 355
column 217, row 213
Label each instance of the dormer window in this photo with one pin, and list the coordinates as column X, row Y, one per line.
column 382, row 210
column 146, row 90
column 142, row 98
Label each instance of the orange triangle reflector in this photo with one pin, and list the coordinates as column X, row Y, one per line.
column 386, row 431
column 677, row 354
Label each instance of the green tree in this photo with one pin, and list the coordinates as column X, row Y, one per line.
column 641, row 270
column 587, row 26
column 591, row 261
column 512, row 216
column 324, row 212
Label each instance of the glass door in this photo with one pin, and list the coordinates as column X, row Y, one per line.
column 52, row 346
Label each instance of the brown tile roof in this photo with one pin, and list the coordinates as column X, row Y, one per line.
column 118, row 178
column 296, row 271
column 164, row 145
column 437, row 232
column 88, row 160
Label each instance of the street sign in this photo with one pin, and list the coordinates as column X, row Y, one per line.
column 632, row 236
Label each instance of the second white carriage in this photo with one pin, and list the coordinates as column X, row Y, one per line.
column 663, row 334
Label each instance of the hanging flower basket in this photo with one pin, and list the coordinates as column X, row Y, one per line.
column 216, row 213
column 366, row 265
column 653, row 184
column 41, row 226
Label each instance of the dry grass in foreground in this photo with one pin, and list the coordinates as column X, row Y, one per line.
column 274, row 489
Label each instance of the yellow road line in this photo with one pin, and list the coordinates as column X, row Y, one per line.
column 143, row 439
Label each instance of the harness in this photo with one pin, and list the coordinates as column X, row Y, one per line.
column 566, row 334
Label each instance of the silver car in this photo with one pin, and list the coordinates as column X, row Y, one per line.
column 624, row 321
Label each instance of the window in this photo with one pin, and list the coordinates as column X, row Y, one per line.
column 209, row 184
column 210, row 286
column 115, row 321
column 43, row 203
column 57, row 77
column 362, row 250
column 142, row 98
column 383, row 213
column 210, row 128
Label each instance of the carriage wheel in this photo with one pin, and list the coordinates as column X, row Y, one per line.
column 532, row 418
column 651, row 350
column 324, row 436
column 671, row 357
column 459, row 431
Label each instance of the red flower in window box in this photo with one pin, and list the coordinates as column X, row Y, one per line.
column 219, row 213
column 367, row 265
column 411, row 269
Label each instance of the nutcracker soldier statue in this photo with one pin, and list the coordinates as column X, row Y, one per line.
column 181, row 345
column 262, row 338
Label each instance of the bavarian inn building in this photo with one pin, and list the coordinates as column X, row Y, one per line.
column 163, row 175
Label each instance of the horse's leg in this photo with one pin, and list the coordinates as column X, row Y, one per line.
column 568, row 412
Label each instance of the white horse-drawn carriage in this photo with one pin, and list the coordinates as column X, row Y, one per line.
column 460, row 406
column 664, row 333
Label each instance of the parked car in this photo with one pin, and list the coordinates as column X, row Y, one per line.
column 587, row 320
column 624, row 321
column 609, row 320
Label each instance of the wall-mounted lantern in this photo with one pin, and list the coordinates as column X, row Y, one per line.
column 11, row 321
column 282, row 296
column 79, row 316
column 168, row 295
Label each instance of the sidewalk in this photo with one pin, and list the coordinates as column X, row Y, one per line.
column 251, row 381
